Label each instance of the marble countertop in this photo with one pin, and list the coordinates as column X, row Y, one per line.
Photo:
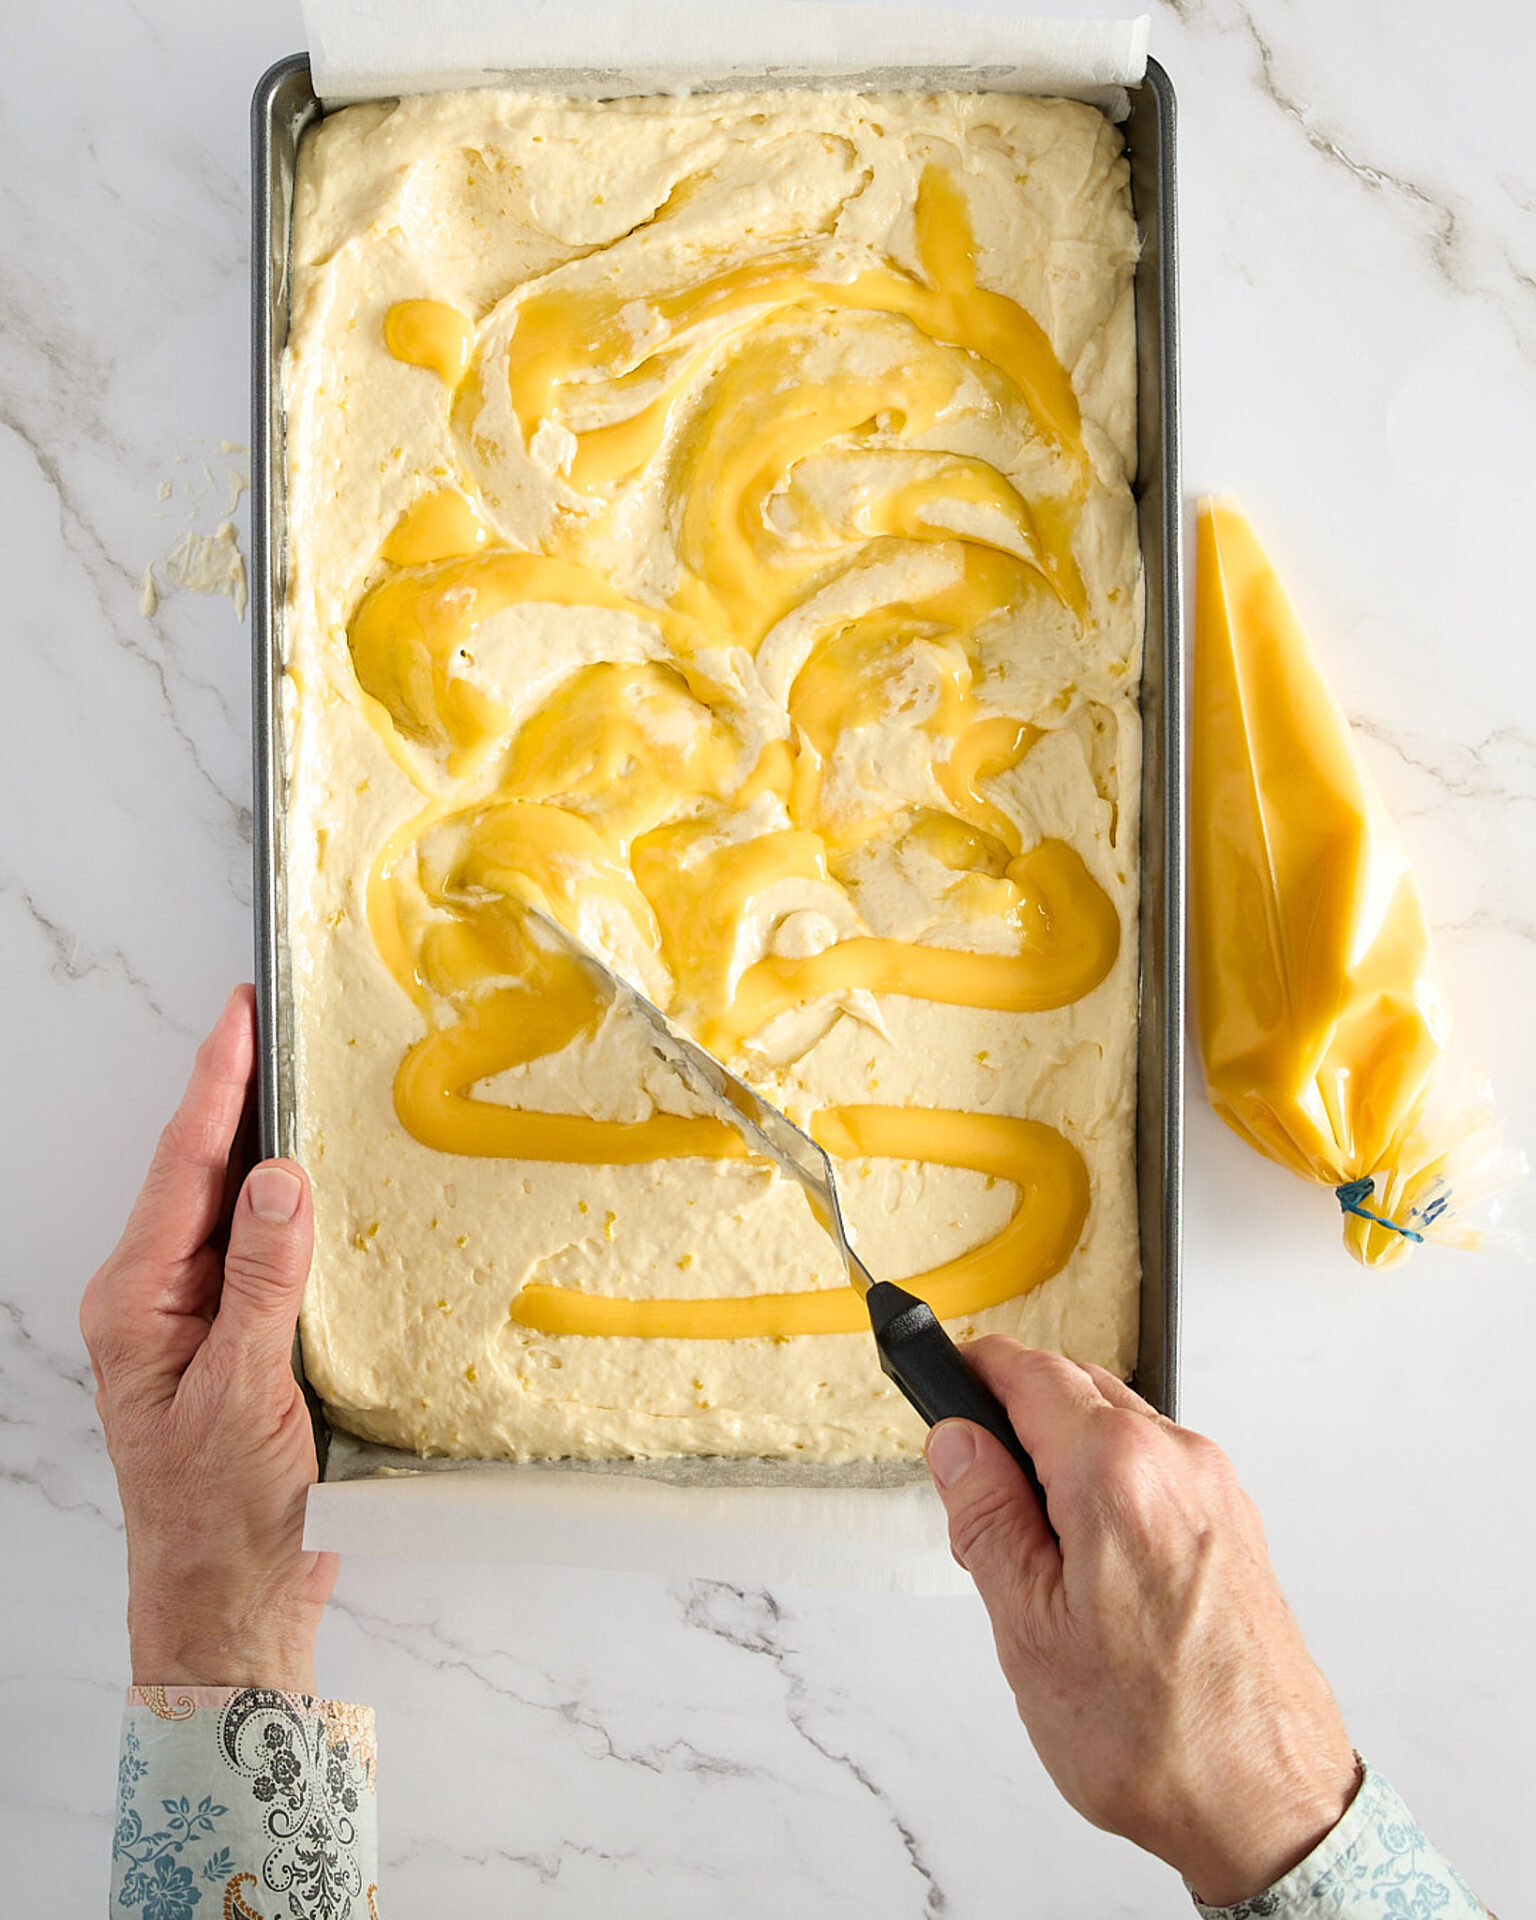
column 1359, row 299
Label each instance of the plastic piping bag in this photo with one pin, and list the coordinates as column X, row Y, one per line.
column 1323, row 1029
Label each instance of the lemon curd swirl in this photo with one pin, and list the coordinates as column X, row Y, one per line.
column 773, row 495
column 590, row 797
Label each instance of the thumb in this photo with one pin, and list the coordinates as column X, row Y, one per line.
column 266, row 1262
column 996, row 1529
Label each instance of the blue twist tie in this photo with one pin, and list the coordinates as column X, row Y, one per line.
column 1351, row 1197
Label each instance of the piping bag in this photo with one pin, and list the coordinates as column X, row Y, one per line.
column 1323, row 1028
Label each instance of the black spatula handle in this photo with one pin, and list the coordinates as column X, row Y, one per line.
column 934, row 1374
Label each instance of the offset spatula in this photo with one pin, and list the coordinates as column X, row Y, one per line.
column 915, row 1351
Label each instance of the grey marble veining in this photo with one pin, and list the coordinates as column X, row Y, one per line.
column 1359, row 288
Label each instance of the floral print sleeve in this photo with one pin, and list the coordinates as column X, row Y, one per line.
column 1375, row 1865
column 260, row 1804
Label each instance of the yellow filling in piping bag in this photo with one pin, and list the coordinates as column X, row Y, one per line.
column 1322, row 1024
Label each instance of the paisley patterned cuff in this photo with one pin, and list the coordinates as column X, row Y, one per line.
column 1375, row 1862
column 261, row 1801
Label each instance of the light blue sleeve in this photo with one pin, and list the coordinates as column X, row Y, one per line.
column 260, row 1804
column 1375, row 1865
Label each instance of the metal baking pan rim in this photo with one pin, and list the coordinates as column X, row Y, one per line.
column 283, row 106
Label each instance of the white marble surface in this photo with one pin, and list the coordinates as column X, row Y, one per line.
column 1360, row 364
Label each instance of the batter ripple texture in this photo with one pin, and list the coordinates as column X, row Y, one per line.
column 709, row 524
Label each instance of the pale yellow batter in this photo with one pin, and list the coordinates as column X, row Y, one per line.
column 709, row 523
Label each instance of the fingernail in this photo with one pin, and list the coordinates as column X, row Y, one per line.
column 951, row 1450
column 274, row 1193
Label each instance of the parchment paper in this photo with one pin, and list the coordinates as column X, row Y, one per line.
column 365, row 49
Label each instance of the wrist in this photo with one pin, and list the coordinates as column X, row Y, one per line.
column 221, row 1645
column 211, row 1662
column 1250, row 1854
column 199, row 1617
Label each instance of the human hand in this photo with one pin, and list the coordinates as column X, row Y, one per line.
column 1156, row 1666
column 189, row 1325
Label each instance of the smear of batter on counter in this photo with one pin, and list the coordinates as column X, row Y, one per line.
column 210, row 563
column 200, row 562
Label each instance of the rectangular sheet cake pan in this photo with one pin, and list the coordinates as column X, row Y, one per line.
column 284, row 105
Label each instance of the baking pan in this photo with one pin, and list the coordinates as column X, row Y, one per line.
column 284, row 105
